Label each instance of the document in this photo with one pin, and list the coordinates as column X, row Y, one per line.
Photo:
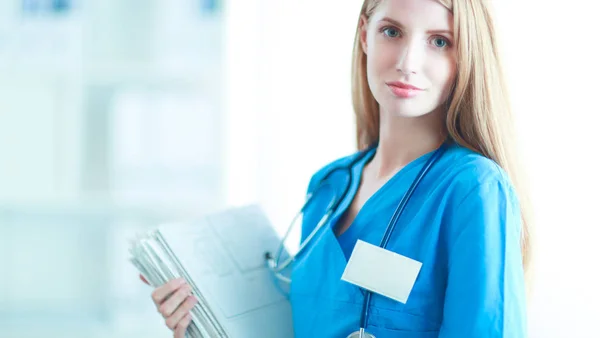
column 222, row 256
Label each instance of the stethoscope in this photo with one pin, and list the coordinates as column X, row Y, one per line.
column 276, row 267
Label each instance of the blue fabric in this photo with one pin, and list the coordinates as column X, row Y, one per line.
column 348, row 238
column 463, row 223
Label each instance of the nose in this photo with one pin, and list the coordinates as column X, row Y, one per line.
column 411, row 57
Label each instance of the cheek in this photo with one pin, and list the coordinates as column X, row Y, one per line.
column 444, row 74
column 381, row 61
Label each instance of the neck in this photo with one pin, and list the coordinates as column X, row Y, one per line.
column 402, row 140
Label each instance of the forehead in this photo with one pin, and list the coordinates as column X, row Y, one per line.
column 426, row 14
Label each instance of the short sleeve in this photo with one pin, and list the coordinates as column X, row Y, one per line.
column 485, row 292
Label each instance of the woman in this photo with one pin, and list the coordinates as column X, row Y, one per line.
column 428, row 90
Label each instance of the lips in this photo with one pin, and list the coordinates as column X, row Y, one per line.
column 403, row 85
column 404, row 90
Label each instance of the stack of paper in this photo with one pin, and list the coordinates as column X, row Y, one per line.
column 221, row 256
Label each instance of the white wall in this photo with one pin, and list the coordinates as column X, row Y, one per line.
column 288, row 95
column 74, row 186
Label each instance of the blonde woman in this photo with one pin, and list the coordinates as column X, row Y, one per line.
column 422, row 232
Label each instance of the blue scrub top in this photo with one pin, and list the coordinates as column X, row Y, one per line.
column 463, row 223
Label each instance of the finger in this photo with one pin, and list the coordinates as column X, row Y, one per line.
column 144, row 279
column 162, row 292
column 182, row 326
column 168, row 307
column 181, row 312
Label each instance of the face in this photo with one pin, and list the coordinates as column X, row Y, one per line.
column 411, row 57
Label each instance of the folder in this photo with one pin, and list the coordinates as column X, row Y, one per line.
column 222, row 257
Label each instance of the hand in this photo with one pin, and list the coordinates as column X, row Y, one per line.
column 174, row 300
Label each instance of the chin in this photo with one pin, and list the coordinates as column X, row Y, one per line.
column 407, row 110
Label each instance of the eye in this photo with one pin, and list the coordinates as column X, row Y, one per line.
column 441, row 42
column 391, row 32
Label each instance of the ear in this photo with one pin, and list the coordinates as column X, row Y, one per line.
column 362, row 31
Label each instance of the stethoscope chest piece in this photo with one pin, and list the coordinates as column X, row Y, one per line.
column 360, row 334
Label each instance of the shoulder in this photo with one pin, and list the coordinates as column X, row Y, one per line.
column 313, row 211
column 468, row 174
column 324, row 170
column 479, row 196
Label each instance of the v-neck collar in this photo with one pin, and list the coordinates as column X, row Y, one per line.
column 357, row 225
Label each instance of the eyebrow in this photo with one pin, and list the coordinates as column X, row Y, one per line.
column 396, row 23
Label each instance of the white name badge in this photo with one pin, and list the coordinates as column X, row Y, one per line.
column 382, row 271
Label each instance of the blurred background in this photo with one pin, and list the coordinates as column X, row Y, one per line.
column 117, row 115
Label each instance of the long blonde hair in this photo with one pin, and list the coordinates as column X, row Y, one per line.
column 479, row 114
